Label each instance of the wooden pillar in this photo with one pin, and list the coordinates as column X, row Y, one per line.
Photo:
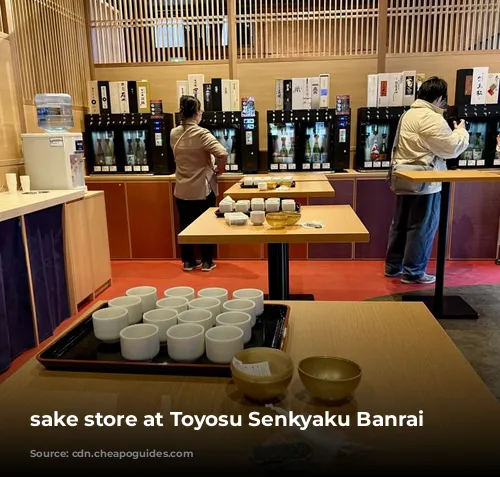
column 382, row 36
column 233, row 46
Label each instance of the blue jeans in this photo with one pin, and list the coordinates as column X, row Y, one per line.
column 412, row 234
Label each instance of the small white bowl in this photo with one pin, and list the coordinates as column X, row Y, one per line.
column 140, row 342
column 257, row 296
column 148, row 296
column 213, row 305
column 199, row 316
column 108, row 322
column 163, row 318
column 220, row 293
column 237, row 318
column 180, row 292
column 246, row 306
column 133, row 304
column 186, row 342
column 178, row 304
column 222, row 343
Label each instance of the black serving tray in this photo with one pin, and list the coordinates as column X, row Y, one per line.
column 220, row 214
column 79, row 350
column 243, row 186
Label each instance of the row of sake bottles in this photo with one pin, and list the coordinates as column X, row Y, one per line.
column 135, row 148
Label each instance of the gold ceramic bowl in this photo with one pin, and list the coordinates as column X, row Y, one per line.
column 292, row 218
column 263, row 388
column 286, row 183
column 272, row 185
column 277, row 220
column 329, row 378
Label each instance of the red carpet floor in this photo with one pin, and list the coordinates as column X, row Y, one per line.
column 328, row 280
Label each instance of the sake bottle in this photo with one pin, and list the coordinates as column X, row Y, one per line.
column 307, row 153
column 316, row 149
column 108, row 152
column 130, row 153
column 99, row 156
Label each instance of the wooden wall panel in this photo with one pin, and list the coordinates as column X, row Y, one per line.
column 116, row 216
column 150, row 220
column 10, row 125
column 51, row 43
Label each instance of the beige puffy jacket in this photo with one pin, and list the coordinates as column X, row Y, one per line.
column 425, row 138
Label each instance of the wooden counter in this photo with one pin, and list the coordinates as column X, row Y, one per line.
column 18, row 204
column 368, row 193
column 340, row 225
column 304, row 189
column 449, row 176
column 409, row 365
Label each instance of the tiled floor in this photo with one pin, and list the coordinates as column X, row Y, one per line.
column 328, row 280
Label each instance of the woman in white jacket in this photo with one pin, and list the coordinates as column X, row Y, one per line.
column 424, row 142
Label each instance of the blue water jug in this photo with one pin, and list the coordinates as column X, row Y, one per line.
column 54, row 112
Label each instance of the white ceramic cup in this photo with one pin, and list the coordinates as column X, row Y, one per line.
column 186, row 342
column 178, row 304
column 262, row 186
column 257, row 296
column 258, row 205
column 246, row 306
column 220, row 293
column 272, row 206
column 148, row 296
column 213, row 305
column 25, row 183
column 248, row 181
column 257, row 217
column 140, row 342
column 11, row 180
column 108, row 323
column 288, row 205
column 222, row 343
column 133, row 304
column 182, row 292
column 163, row 318
column 242, row 206
column 198, row 316
column 226, row 207
column 237, row 318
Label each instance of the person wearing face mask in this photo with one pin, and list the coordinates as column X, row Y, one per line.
column 424, row 141
column 199, row 159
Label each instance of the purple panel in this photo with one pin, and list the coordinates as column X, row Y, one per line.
column 374, row 206
column 344, row 195
column 475, row 220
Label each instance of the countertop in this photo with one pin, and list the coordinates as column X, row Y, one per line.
column 409, row 364
column 301, row 189
column 18, row 204
column 340, row 225
column 302, row 176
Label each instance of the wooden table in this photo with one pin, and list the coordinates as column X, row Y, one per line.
column 301, row 189
column 409, row 364
column 340, row 225
column 446, row 306
column 297, row 176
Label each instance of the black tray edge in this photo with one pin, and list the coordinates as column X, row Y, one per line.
column 243, row 186
column 171, row 369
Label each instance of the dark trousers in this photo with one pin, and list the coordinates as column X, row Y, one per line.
column 189, row 211
column 412, row 234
